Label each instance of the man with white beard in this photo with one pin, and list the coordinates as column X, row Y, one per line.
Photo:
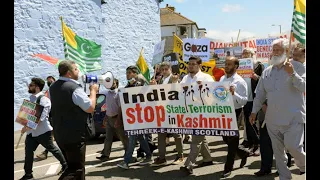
column 285, row 116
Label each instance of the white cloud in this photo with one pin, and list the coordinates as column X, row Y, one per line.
column 226, row 36
column 179, row 1
column 231, row 8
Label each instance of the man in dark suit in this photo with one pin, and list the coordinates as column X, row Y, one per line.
column 252, row 141
column 70, row 108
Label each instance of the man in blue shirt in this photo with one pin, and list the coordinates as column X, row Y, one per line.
column 42, row 134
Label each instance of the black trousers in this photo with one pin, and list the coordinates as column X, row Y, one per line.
column 75, row 157
column 266, row 151
column 251, row 130
column 31, row 145
column 233, row 147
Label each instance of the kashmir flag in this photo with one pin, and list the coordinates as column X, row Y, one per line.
column 299, row 21
column 143, row 67
column 86, row 53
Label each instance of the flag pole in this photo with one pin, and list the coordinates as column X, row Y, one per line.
column 66, row 53
column 289, row 50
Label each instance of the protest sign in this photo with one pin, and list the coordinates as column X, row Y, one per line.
column 196, row 47
column 264, row 48
column 158, row 53
column 29, row 114
column 245, row 69
column 197, row 109
column 173, row 59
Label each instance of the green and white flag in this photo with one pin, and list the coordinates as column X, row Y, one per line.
column 86, row 53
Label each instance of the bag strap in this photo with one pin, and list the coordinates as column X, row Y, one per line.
column 39, row 98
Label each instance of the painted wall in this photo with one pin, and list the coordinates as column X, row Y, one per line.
column 122, row 27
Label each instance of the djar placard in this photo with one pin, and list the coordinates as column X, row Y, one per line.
column 196, row 47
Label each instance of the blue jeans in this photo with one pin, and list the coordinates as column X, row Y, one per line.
column 132, row 143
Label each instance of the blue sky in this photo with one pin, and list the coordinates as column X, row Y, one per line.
column 223, row 18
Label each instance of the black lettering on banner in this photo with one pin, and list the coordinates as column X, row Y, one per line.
column 195, row 48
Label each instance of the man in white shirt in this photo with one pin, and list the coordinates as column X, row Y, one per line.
column 238, row 89
column 42, row 133
column 198, row 143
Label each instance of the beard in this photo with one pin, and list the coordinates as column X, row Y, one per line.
column 276, row 60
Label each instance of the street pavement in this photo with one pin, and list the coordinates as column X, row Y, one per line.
column 97, row 170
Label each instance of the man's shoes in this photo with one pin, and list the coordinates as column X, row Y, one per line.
column 225, row 174
column 301, row 172
column 159, row 162
column 26, row 176
column 103, row 158
column 123, row 165
column 186, row 170
column 63, row 169
column 203, row 164
column 243, row 162
column 146, row 161
column 43, row 155
column 262, row 173
column 178, row 160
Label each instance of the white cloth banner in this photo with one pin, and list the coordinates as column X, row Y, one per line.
column 197, row 109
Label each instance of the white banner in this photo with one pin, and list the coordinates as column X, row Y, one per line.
column 196, row 47
column 197, row 109
column 158, row 52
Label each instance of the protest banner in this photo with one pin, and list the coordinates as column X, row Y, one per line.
column 245, row 69
column 173, row 59
column 158, row 53
column 264, row 48
column 29, row 114
column 197, row 109
column 196, row 47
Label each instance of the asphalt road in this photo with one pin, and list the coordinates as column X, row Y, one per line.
column 96, row 170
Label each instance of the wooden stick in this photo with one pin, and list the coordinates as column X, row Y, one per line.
column 19, row 140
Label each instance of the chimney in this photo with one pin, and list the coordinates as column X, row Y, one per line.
column 172, row 8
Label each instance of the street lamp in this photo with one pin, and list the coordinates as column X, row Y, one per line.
column 277, row 25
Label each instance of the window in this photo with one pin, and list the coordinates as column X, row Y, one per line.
column 183, row 29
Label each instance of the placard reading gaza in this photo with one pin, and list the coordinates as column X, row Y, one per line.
column 196, row 109
column 29, row 114
column 196, row 47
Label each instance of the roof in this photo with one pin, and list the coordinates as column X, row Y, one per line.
column 169, row 17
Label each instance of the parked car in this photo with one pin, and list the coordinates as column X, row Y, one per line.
column 96, row 121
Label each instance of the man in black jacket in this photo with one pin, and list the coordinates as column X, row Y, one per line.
column 70, row 108
column 251, row 130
